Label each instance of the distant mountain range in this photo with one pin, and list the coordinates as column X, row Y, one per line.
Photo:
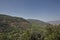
column 13, row 21
column 54, row 22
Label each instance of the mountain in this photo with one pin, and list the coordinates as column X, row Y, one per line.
column 54, row 22
column 37, row 22
column 14, row 21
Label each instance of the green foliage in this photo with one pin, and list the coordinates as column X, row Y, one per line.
column 49, row 32
column 8, row 32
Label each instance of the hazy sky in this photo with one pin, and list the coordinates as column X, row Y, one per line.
column 45, row 10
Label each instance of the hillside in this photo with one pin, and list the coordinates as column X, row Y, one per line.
column 37, row 22
column 14, row 21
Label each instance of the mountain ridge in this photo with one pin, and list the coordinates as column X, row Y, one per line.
column 38, row 22
column 14, row 21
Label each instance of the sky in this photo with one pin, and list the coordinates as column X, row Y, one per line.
column 45, row 10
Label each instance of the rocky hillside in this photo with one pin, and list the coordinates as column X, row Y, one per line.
column 14, row 21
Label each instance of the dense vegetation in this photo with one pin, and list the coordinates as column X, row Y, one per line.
column 14, row 28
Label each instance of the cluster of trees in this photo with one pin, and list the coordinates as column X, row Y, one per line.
column 8, row 32
column 49, row 32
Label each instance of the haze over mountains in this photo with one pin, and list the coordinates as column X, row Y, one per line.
column 5, row 18
column 39, row 22
column 54, row 22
